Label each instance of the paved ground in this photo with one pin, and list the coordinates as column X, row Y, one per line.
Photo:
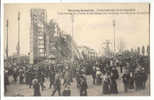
column 93, row 90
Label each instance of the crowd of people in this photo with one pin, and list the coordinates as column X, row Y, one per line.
column 62, row 76
column 35, row 78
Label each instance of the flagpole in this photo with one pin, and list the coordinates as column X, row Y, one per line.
column 72, row 34
column 7, row 24
column 18, row 34
column 114, row 36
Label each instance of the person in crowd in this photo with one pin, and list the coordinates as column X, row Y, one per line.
column 36, row 87
column 126, row 78
column 144, row 77
column 114, row 77
column 131, row 80
column 26, row 76
column 67, row 75
column 51, row 77
column 106, row 84
column 41, row 79
column 94, row 74
column 6, row 80
column 77, row 78
column 138, row 79
column 121, row 67
column 15, row 74
column 21, row 76
column 47, row 71
column 57, row 85
column 83, row 86
column 98, row 76
column 30, row 78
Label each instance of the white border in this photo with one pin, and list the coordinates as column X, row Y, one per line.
column 74, row 97
column 67, row 1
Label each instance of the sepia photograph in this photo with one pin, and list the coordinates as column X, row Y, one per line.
column 76, row 49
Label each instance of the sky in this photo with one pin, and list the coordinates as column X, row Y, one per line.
column 89, row 30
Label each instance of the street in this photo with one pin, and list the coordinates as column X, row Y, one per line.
column 15, row 89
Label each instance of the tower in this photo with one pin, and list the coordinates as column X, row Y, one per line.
column 37, row 35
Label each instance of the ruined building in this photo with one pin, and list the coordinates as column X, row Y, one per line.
column 48, row 40
column 37, row 34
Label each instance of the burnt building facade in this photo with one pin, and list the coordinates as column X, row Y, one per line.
column 37, row 34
